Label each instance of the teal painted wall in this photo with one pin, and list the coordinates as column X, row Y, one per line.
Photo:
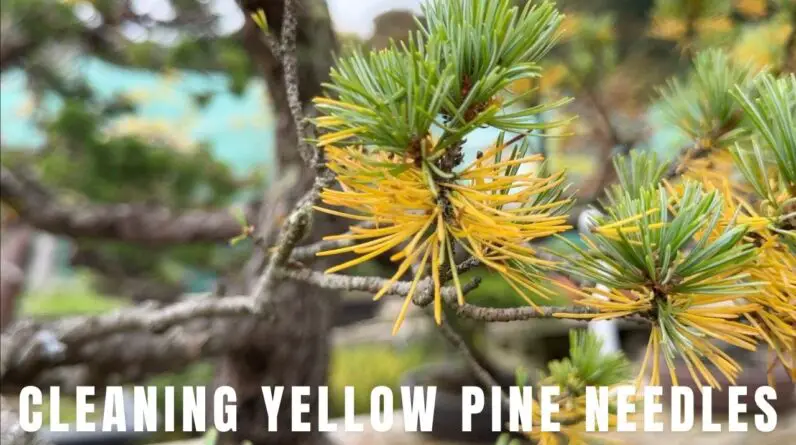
column 239, row 129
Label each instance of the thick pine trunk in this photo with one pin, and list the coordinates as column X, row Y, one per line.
column 293, row 348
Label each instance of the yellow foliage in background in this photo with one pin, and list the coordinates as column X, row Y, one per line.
column 762, row 45
column 752, row 8
column 156, row 131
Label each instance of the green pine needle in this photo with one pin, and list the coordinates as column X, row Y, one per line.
column 703, row 107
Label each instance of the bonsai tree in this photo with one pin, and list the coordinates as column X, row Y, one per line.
column 703, row 264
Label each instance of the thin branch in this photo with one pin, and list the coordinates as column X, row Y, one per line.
column 29, row 348
column 123, row 357
column 273, row 45
column 491, row 314
column 697, row 151
column 479, row 371
column 360, row 283
column 426, row 295
column 143, row 224
column 294, row 230
column 69, row 333
column 290, row 69
column 299, row 221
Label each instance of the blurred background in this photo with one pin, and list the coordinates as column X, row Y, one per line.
column 178, row 104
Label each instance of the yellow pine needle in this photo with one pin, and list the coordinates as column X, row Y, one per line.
column 411, row 246
column 337, row 136
column 656, row 356
column 259, row 19
column 408, row 300
column 704, row 326
column 359, row 234
column 647, row 353
column 328, row 121
column 386, row 247
column 500, row 165
column 343, row 214
column 624, row 230
column 437, row 286
column 345, row 105
column 510, row 280
column 401, row 271
column 454, row 273
column 487, row 215
column 362, row 247
column 628, row 220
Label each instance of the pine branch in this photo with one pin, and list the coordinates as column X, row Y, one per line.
column 490, row 314
column 294, row 230
column 29, row 347
column 142, row 224
column 290, row 68
column 363, row 283
column 478, row 370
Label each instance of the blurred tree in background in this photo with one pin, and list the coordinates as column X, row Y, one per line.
column 145, row 209
column 94, row 152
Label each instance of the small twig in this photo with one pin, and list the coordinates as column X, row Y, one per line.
column 134, row 223
column 273, row 45
column 426, row 295
column 290, row 70
column 309, row 251
column 687, row 154
column 292, row 233
column 456, row 340
column 300, row 219
column 360, row 283
column 491, row 314
column 481, row 373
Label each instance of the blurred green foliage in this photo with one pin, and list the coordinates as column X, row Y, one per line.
column 75, row 295
column 95, row 149
column 495, row 292
column 67, row 410
column 367, row 366
column 196, row 375
column 110, row 168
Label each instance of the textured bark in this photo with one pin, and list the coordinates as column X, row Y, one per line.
column 289, row 348
column 34, row 355
column 133, row 223
column 128, row 344
column 294, row 348
column 10, row 431
column 117, row 277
